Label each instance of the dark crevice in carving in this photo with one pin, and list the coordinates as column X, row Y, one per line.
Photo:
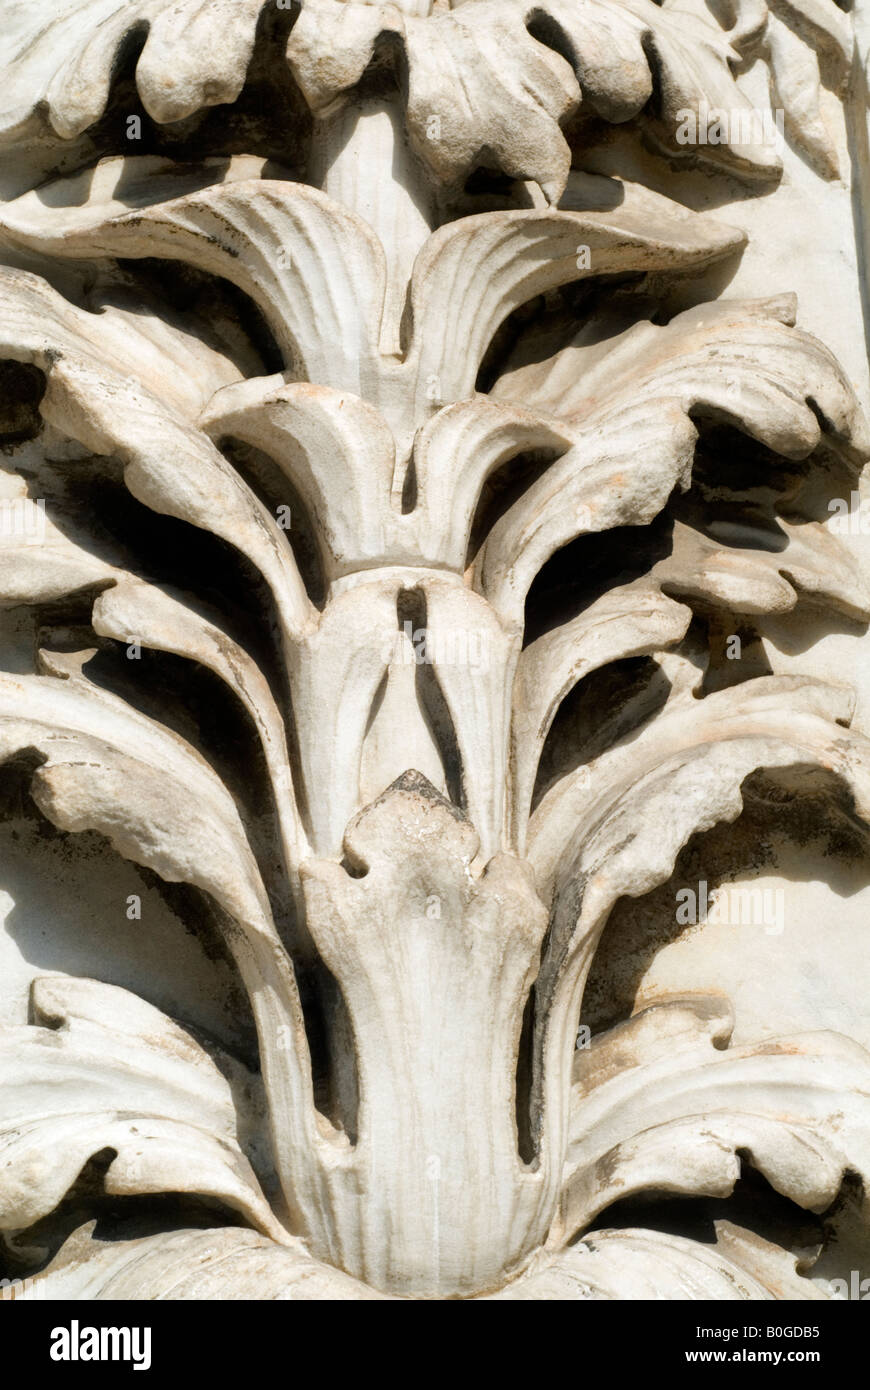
column 412, row 619
column 271, row 484
column 524, row 1075
column 504, row 486
column 333, row 1050
column 21, row 390
column 603, row 708
column 755, row 1210
column 590, row 566
column 208, row 306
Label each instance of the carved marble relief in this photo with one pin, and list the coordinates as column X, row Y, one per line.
column 433, row 642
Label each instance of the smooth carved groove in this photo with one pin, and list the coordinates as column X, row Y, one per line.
column 400, row 697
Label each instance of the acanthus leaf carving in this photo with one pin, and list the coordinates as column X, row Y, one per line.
column 109, row 1072
column 717, row 1101
column 460, row 389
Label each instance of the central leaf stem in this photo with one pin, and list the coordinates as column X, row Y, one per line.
column 361, row 158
